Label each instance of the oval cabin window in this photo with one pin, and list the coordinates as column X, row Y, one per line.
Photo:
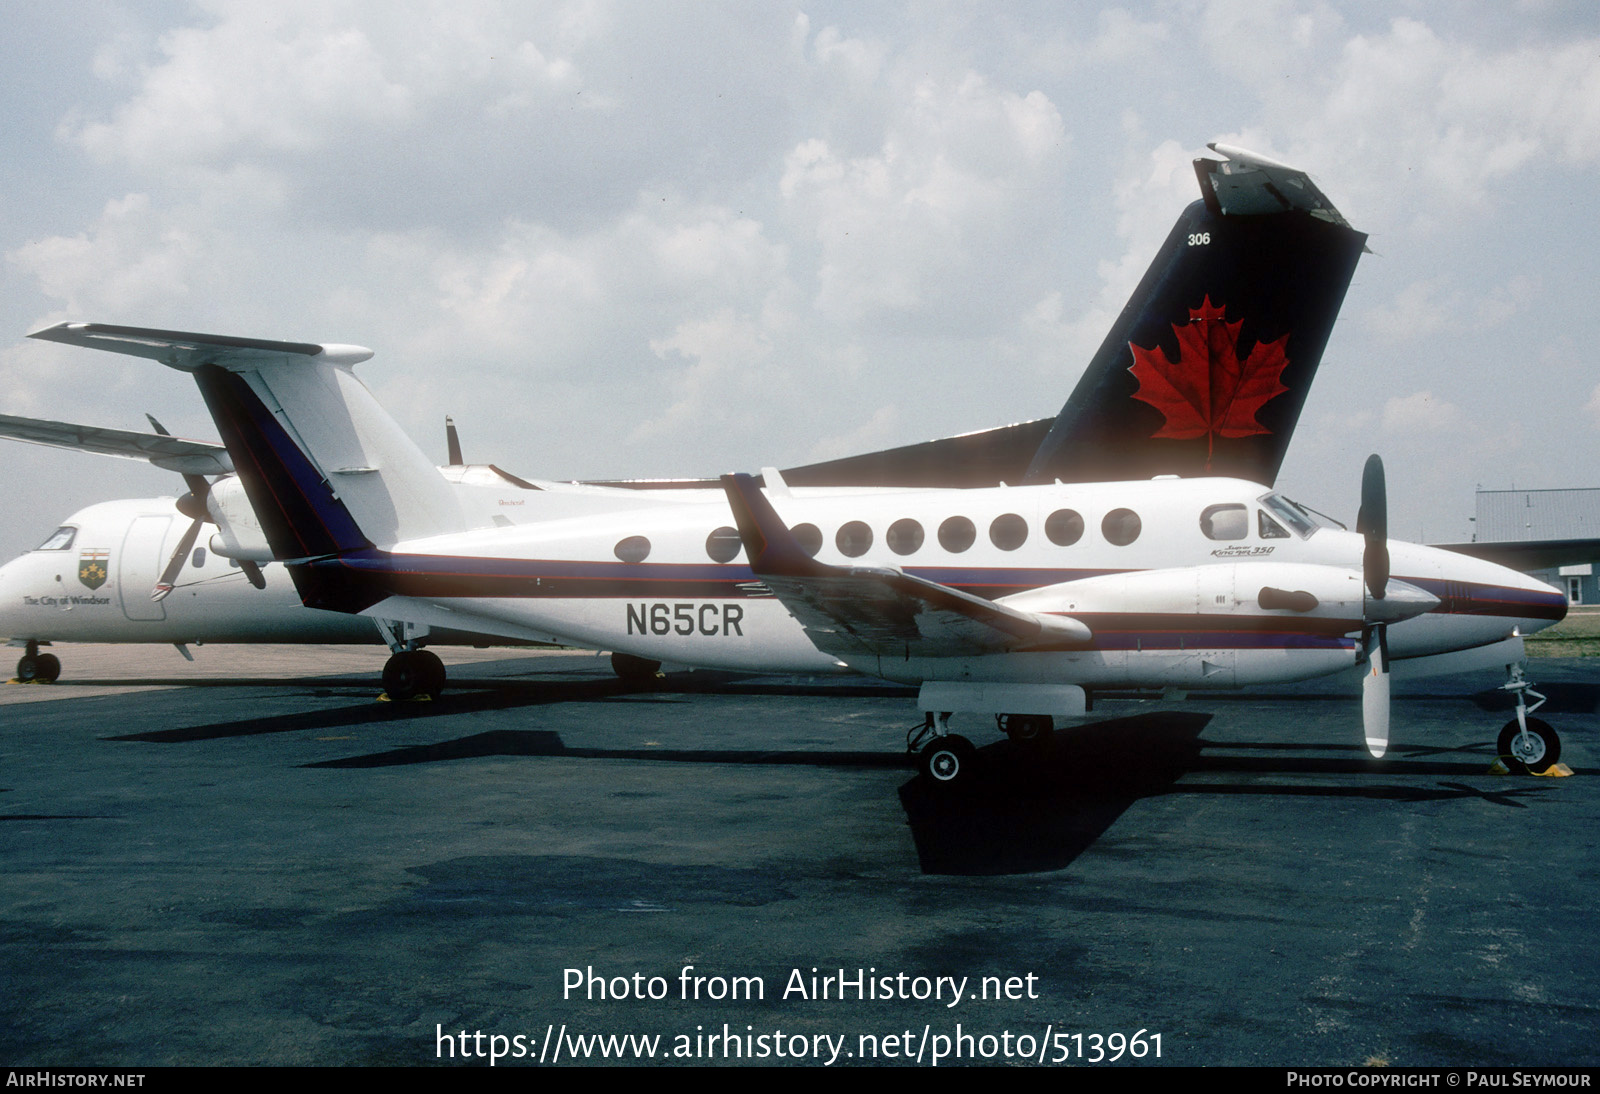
column 633, row 549
column 1121, row 527
column 957, row 534
column 854, row 539
column 1008, row 532
column 904, row 536
column 1064, row 527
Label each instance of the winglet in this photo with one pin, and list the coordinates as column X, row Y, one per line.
column 768, row 543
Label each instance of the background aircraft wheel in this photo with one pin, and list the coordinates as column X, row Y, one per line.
column 1537, row 754
column 47, row 668
column 412, row 673
column 949, row 760
column 635, row 670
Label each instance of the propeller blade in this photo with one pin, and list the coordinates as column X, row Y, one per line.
column 253, row 572
column 1375, row 691
column 1373, row 523
column 175, row 563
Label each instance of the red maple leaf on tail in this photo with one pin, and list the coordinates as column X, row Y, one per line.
column 1208, row 392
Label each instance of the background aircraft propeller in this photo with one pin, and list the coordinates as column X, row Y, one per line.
column 1373, row 523
column 193, row 506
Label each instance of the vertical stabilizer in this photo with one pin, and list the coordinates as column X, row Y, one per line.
column 1207, row 368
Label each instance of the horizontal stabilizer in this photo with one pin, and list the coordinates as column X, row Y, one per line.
column 166, row 452
column 187, row 351
column 877, row 611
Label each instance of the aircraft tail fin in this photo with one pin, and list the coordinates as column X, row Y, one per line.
column 325, row 468
column 1206, row 369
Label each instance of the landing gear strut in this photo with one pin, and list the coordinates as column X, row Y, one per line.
column 36, row 667
column 1526, row 744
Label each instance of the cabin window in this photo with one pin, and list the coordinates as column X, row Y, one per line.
column 957, row 534
column 904, row 536
column 1064, row 527
column 1008, row 531
column 1225, row 522
column 198, row 559
column 809, row 537
column 854, row 539
column 1270, row 529
column 633, row 549
column 1121, row 527
column 60, row 539
column 723, row 544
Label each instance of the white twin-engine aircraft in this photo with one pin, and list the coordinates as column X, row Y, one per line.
column 1263, row 241
column 1001, row 599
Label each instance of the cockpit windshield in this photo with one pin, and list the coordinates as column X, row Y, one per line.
column 60, row 539
column 1302, row 523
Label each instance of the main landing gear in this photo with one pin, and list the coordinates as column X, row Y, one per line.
column 37, row 668
column 1526, row 744
column 947, row 759
column 411, row 672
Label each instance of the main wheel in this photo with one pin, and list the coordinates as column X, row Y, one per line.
column 1536, row 753
column 1034, row 731
column 47, row 668
column 27, row 667
column 949, row 760
column 411, row 673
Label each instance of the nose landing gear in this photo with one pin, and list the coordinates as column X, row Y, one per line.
column 1526, row 745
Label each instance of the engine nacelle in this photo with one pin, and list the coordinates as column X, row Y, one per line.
column 239, row 535
column 1270, row 590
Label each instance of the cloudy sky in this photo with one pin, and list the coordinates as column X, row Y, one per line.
column 679, row 239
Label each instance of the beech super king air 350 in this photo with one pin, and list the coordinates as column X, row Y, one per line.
column 1095, row 567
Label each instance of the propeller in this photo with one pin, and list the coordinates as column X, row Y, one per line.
column 1373, row 523
column 193, row 506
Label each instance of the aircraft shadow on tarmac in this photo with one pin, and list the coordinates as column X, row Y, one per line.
column 1031, row 811
column 1027, row 810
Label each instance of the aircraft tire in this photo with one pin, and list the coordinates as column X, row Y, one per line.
column 47, row 668
column 949, row 761
column 1542, row 751
column 412, row 673
column 1034, row 732
column 27, row 668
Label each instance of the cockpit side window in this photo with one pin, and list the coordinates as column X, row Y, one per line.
column 1225, row 522
column 1287, row 513
column 1270, row 529
column 60, row 540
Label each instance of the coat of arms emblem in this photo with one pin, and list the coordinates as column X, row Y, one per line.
column 93, row 567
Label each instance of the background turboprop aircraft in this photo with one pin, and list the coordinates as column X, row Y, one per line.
column 1206, row 582
column 1278, row 280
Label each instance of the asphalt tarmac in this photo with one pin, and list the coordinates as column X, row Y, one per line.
column 252, row 860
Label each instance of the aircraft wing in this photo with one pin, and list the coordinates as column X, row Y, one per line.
column 877, row 611
column 167, row 453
